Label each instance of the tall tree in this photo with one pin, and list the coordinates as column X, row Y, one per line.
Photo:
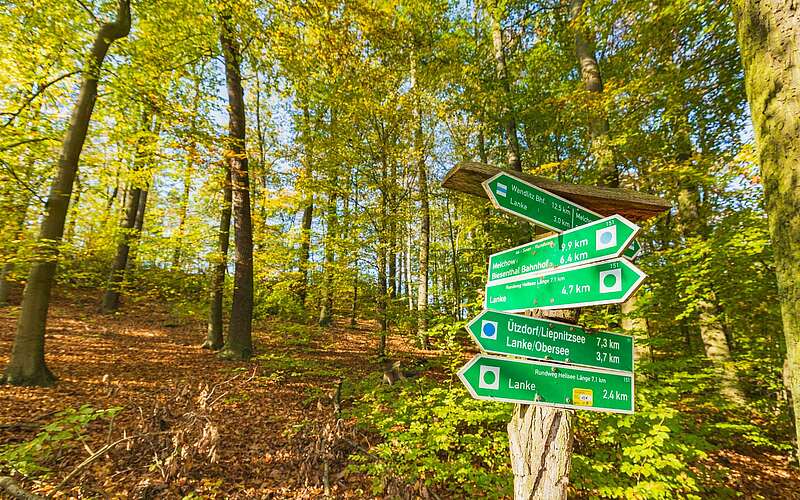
column 127, row 228
column 513, row 158
column 769, row 39
column 214, row 337
column 607, row 171
column 27, row 365
column 239, row 344
column 424, row 239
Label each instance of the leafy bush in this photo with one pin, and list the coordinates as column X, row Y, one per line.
column 434, row 435
column 29, row 457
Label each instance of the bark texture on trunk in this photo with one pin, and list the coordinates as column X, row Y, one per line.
column 17, row 229
column 308, row 218
column 27, row 365
column 214, row 337
column 593, row 82
column 769, row 39
column 501, row 71
column 119, row 265
column 425, row 219
column 239, row 344
column 540, row 441
column 637, row 328
column 326, row 311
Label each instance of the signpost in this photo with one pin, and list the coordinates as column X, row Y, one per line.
column 609, row 282
column 536, row 205
column 601, row 240
column 503, row 333
column 520, row 381
column 582, row 266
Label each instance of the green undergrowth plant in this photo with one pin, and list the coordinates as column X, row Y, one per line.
column 653, row 454
column 30, row 457
column 432, row 434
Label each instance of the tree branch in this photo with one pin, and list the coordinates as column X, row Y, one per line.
column 13, row 116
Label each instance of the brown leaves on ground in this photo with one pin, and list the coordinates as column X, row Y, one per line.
column 216, row 428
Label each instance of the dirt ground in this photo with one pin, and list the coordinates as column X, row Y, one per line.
column 193, row 425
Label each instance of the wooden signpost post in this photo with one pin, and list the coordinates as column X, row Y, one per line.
column 557, row 367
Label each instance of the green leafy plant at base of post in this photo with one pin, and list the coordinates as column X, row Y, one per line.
column 652, row 454
column 434, row 435
column 28, row 458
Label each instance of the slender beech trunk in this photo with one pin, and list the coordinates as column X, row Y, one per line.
column 769, row 39
column 637, row 328
column 116, row 276
column 593, row 82
column 138, row 226
column 693, row 225
column 308, row 217
column 326, row 311
column 392, row 250
column 27, row 365
column 188, row 172
column 8, row 267
column 454, row 262
column 73, row 216
column 127, row 230
column 409, row 281
column 425, row 216
column 501, row 71
column 214, row 337
column 239, row 344
column 382, row 252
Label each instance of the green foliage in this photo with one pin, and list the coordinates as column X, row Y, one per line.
column 650, row 454
column 29, row 457
column 435, row 433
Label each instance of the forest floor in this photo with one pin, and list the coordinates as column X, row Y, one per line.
column 193, row 425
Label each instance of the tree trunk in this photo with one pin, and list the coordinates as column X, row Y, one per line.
column 239, row 344
column 27, row 365
column 73, row 217
column 501, row 71
column 540, row 441
column 425, row 214
column 636, row 328
column 326, row 311
column 593, row 82
column 8, row 267
column 187, row 184
column 454, row 261
column 128, row 229
column 308, row 217
column 117, row 275
column 214, row 338
column 769, row 39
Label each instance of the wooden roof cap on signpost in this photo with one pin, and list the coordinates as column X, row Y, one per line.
column 467, row 177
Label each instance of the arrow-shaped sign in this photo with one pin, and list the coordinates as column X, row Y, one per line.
column 504, row 333
column 548, row 384
column 610, row 282
column 601, row 240
column 517, row 197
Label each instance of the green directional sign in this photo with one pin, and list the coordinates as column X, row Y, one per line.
column 543, row 208
column 600, row 240
column 538, row 382
column 609, row 282
column 504, row 333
